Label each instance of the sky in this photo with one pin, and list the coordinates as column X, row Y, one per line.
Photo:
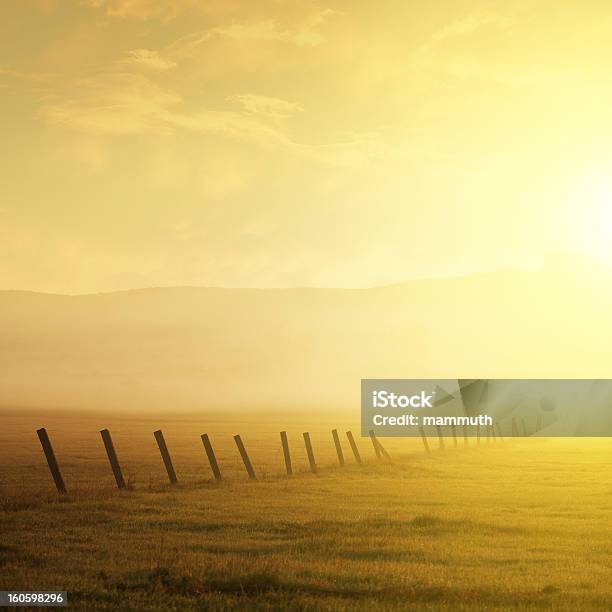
column 285, row 143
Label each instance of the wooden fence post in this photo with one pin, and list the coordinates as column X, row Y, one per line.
column 163, row 449
column 382, row 453
column 354, row 448
column 499, row 433
column 245, row 458
column 51, row 460
column 112, row 458
column 285, row 444
column 311, row 459
column 440, row 437
column 338, row 447
column 385, row 454
column 212, row 459
column 376, row 449
column 424, row 438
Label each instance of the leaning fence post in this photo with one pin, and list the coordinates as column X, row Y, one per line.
column 51, row 460
column 245, row 458
column 112, row 458
column 210, row 453
column 380, row 449
column 163, row 449
column 440, row 438
column 311, row 459
column 376, row 449
column 385, row 454
column 424, row 438
column 499, row 433
column 338, row 447
column 354, row 448
column 285, row 443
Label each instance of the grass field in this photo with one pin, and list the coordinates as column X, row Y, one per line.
column 524, row 524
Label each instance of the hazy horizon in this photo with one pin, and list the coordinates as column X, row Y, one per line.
column 572, row 262
column 191, row 348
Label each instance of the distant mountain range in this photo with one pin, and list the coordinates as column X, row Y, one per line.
column 207, row 348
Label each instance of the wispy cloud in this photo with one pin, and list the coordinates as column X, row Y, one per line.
column 112, row 103
column 304, row 33
column 433, row 55
column 147, row 59
column 119, row 103
column 124, row 103
column 33, row 77
column 132, row 95
column 263, row 105
column 470, row 24
column 142, row 9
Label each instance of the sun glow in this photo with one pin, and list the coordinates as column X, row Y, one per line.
column 591, row 214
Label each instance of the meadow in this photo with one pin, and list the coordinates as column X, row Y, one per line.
column 524, row 524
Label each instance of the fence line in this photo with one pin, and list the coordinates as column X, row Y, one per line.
column 379, row 451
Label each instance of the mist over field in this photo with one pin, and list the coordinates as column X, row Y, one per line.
column 284, row 349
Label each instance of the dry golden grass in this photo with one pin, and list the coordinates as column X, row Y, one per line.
column 524, row 524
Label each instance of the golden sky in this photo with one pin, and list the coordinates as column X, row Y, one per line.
column 299, row 143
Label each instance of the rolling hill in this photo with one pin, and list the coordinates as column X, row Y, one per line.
column 190, row 348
